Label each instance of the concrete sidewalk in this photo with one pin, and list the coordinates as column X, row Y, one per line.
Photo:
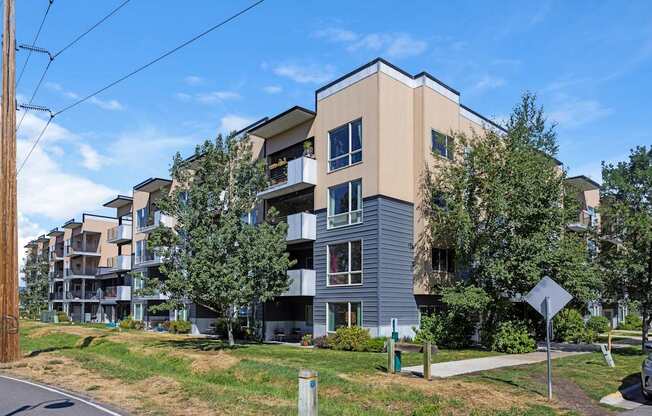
column 455, row 368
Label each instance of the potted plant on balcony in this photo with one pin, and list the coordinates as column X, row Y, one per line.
column 278, row 164
column 308, row 149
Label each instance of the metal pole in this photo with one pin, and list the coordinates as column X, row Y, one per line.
column 308, row 403
column 548, row 348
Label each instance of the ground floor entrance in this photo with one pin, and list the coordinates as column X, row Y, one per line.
column 288, row 318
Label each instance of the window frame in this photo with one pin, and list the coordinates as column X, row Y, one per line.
column 350, row 153
column 348, row 314
column 450, row 153
column 136, row 316
column 348, row 272
column 450, row 255
column 329, row 216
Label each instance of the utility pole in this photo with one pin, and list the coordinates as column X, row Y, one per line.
column 9, row 348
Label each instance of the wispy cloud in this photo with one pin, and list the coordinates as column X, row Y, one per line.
column 487, row 82
column 232, row 122
column 110, row 104
column 194, row 80
column 393, row 45
column 210, row 97
column 306, row 73
column 91, row 159
column 273, row 89
column 571, row 112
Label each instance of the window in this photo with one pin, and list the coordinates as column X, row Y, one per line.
column 345, row 263
column 139, row 281
column 181, row 314
column 442, row 145
column 308, row 313
column 346, row 314
column 345, row 145
column 345, row 204
column 138, row 311
column 141, row 217
column 438, row 200
column 443, row 260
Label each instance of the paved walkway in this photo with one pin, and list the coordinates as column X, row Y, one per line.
column 23, row 398
column 474, row 365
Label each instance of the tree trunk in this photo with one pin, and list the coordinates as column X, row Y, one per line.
column 229, row 328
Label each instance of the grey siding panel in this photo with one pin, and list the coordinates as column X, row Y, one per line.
column 387, row 289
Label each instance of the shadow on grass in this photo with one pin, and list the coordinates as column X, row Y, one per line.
column 198, row 344
column 629, row 351
column 36, row 353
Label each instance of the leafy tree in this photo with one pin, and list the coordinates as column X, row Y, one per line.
column 35, row 295
column 503, row 206
column 626, row 255
column 212, row 257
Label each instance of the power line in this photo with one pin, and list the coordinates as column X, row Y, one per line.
column 132, row 73
column 165, row 55
column 90, row 29
column 38, row 32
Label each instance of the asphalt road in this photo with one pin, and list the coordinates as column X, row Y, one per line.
column 635, row 395
column 23, row 398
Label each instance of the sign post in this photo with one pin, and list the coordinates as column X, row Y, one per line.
column 548, row 298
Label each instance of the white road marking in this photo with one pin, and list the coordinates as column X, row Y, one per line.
column 97, row 406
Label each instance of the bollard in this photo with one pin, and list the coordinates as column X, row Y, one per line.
column 308, row 404
column 427, row 359
column 390, row 356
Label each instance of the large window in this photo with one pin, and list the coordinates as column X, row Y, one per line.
column 443, row 260
column 138, row 311
column 442, row 145
column 345, row 145
column 345, row 204
column 344, row 314
column 345, row 263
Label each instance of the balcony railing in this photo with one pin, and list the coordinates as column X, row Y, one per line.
column 152, row 222
column 302, row 283
column 56, row 296
column 302, row 227
column 85, row 273
column 116, row 293
column 586, row 220
column 149, row 258
column 297, row 174
column 56, row 275
column 119, row 234
column 119, row 263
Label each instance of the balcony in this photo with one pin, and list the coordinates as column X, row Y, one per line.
column 78, row 295
column 586, row 220
column 302, row 283
column 56, row 296
column 58, row 275
column 90, row 250
column 120, row 234
column 297, row 174
column 116, row 293
column 148, row 258
column 56, row 255
column 88, row 273
column 115, row 264
column 151, row 223
column 302, row 227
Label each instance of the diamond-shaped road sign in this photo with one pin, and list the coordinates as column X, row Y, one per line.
column 548, row 288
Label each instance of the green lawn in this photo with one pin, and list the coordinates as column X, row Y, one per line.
column 262, row 379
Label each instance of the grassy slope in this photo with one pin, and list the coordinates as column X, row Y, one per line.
column 262, row 378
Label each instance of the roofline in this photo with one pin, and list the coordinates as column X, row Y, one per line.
column 586, row 178
column 493, row 123
column 278, row 116
column 150, row 180
column 125, row 197
column 391, row 65
column 84, row 215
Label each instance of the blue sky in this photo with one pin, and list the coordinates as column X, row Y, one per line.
column 589, row 62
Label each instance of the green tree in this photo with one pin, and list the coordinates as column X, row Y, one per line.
column 35, row 274
column 626, row 255
column 503, row 206
column 212, row 257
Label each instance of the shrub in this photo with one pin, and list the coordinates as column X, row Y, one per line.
column 306, row 340
column 180, row 327
column 129, row 323
column 376, row 344
column 325, row 341
column 431, row 329
column 354, row 338
column 598, row 324
column 632, row 323
column 513, row 338
column 568, row 326
column 62, row 317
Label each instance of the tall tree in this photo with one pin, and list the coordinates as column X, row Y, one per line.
column 503, row 206
column 626, row 256
column 35, row 275
column 212, row 257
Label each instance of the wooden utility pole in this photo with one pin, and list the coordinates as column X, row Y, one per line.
column 9, row 348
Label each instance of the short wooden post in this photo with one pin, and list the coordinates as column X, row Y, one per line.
column 391, row 351
column 427, row 359
column 308, row 403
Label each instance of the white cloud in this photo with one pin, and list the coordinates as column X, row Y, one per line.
column 573, row 112
column 90, row 158
column 32, row 126
column 183, row 96
column 193, row 80
column 273, row 89
column 306, row 74
column 487, row 82
column 232, row 122
column 392, row 45
column 142, row 150
column 111, row 104
column 216, row 96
